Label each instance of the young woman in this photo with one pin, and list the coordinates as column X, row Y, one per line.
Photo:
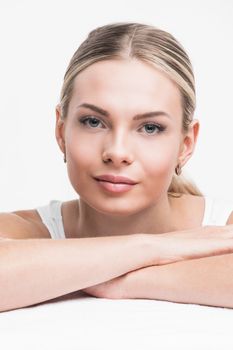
column 138, row 230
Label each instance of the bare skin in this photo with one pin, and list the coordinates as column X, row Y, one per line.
column 183, row 207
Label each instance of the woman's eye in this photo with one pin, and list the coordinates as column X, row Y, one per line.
column 153, row 128
column 94, row 123
column 91, row 122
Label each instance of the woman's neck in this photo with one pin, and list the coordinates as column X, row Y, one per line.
column 155, row 219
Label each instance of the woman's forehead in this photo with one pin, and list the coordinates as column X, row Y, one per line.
column 130, row 83
column 128, row 73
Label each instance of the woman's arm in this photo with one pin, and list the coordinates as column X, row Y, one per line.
column 36, row 270
column 205, row 281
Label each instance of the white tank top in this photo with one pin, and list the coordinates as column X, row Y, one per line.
column 217, row 211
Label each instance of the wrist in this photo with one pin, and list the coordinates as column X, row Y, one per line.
column 143, row 283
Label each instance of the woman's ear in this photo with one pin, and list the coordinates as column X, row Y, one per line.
column 189, row 142
column 60, row 129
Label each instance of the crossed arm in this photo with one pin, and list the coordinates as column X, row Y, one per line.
column 204, row 281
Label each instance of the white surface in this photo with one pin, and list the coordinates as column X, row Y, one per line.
column 87, row 323
column 38, row 39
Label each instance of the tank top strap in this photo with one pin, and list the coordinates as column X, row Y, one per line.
column 52, row 218
column 207, row 211
column 217, row 211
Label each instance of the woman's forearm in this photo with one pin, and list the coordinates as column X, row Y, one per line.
column 36, row 270
column 205, row 281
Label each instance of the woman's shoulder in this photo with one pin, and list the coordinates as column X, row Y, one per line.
column 33, row 216
column 22, row 224
column 205, row 210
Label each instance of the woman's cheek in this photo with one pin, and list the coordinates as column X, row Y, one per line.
column 159, row 160
column 80, row 150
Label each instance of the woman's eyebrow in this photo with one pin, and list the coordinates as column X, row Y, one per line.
column 136, row 117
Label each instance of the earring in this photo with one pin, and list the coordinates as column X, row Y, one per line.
column 178, row 170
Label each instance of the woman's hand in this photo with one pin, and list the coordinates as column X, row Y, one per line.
column 113, row 289
column 195, row 243
column 172, row 247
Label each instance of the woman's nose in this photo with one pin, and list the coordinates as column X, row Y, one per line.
column 117, row 152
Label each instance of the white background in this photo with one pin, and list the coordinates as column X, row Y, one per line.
column 37, row 40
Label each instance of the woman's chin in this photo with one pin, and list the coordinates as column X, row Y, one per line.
column 116, row 211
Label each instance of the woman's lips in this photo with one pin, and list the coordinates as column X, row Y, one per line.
column 115, row 187
column 115, row 179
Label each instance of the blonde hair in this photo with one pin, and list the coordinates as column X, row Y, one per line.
column 149, row 44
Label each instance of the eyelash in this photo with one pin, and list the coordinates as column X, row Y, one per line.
column 84, row 121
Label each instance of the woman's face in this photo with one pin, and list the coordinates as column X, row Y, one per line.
column 106, row 132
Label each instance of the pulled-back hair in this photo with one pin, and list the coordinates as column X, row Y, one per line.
column 146, row 43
